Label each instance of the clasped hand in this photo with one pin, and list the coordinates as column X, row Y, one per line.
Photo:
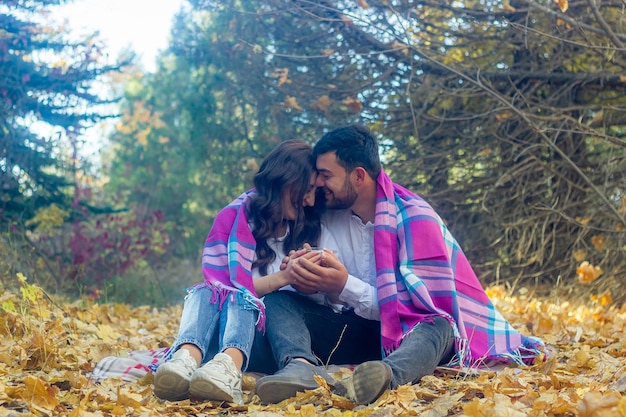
column 315, row 271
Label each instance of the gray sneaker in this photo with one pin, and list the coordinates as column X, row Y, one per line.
column 217, row 380
column 295, row 377
column 368, row 382
column 171, row 381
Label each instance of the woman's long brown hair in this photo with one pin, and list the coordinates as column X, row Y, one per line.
column 288, row 167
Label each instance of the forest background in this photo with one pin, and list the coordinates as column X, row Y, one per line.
column 508, row 116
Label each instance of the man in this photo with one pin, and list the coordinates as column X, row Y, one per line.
column 417, row 297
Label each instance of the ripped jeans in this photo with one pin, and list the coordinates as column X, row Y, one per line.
column 212, row 330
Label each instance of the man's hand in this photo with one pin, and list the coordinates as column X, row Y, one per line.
column 314, row 271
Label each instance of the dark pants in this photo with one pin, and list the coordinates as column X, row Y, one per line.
column 300, row 328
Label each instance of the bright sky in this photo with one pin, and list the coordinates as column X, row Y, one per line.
column 144, row 25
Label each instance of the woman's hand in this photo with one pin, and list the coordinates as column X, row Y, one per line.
column 293, row 254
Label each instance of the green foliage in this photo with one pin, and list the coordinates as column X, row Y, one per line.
column 507, row 116
column 48, row 218
column 156, row 285
column 45, row 84
column 502, row 114
column 107, row 257
column 19, row 255
column 192, row 132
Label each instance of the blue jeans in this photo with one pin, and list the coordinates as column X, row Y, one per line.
column 300, row 328
column 212, row 330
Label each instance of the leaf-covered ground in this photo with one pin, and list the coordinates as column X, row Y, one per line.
column 49, row 348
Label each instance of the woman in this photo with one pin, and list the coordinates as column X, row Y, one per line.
column 241, row 263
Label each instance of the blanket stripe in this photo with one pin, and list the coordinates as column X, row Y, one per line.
column 228, row 255
column 434, row 278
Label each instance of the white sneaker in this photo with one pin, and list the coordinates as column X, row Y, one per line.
column 217, row 380
column 171, row 381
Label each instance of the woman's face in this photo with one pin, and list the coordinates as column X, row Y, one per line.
column 289, row 211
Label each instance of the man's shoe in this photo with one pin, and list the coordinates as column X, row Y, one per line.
column 171, row 380
column 217, row 380
column 368, row 382
column 296, row 376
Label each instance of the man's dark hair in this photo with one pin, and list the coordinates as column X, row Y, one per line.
column 354, row 145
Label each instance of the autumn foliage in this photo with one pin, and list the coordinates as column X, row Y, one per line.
column 49, row 349
column 507, row 116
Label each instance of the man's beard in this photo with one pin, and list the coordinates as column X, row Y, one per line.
column 345, row 202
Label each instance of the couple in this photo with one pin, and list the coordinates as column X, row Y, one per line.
column 392, row 293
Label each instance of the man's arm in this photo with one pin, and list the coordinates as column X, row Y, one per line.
column 362, row 297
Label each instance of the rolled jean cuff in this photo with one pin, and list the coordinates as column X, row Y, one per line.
column 188, row 341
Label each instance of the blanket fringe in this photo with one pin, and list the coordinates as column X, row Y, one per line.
column 242, row 297
column 527, row 354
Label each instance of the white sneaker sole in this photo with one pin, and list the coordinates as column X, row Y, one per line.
column 170, row 386
column 211, row 390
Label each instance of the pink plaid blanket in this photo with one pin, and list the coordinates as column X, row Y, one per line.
column 422, row 272
column 228, row 255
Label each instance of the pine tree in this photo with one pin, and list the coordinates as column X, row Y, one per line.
column 45, row 86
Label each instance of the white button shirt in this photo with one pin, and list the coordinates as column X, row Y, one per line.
column 355, row 242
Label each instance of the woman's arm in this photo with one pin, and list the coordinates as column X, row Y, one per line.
column 270, row 283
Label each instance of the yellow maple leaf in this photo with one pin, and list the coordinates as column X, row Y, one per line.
column 128, row 399
column 503, row 115
column 599, row 242
column 621, row 407
column 545, row 325
column 308, row 410
column 292, row 103
column 142, row 136
column 597, row 404
column 353, row 104
column 106, row 332
column 588, row 273
column 39, row 393
column 118, row 410
column 405, row 395
column 603, row 299
column 473, row 408
column 283, row 76
column 506, row 6
column 323, row 103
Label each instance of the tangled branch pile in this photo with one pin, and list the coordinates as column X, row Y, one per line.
column 508, row 116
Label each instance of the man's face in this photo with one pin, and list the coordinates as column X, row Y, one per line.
column 339, row 192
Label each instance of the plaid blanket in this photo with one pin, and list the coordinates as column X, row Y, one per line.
column 135, row 366
column 422, row 272
column 227, row 269
column 228, row 255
